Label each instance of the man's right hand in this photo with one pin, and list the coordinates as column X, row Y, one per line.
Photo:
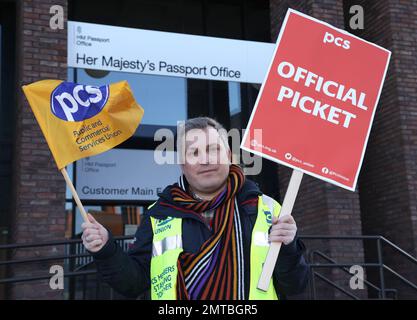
column 95, row 236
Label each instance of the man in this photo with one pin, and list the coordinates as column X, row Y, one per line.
column 207, row 236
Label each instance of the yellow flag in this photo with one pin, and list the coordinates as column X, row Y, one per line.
column 79, row 120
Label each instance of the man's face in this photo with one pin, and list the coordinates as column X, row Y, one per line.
column 207, row 160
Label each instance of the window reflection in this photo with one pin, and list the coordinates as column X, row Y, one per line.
column 120, row 220
column 234, row 98
column 163, row 98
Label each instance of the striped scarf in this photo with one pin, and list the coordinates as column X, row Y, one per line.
column 216, row 270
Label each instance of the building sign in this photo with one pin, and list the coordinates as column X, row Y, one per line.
column 318, row 101
column 102, row 47
column 121, row 174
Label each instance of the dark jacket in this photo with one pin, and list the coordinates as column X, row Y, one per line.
column 129, row 273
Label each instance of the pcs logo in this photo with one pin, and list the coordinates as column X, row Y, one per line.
column 76, row 102
column 163, row 222
column 268, row 216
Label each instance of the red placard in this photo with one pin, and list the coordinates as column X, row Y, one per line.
column 316, row 105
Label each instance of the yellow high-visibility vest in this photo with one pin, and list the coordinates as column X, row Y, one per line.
column 167, row 246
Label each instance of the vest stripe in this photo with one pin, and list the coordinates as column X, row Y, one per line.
column 168, row 243
column 261, row 239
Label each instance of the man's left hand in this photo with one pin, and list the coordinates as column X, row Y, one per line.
column 283, row 229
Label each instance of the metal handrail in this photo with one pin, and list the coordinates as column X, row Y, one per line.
column 404, row 253
column 76, row 268
column 51, row 258
column 46, row 277
column 382, row 290
column 334, row 285
column 406, row 281
column 324, row 256
column 76, row 258
column 343, row 267
column 391, row 244
column 51, row 243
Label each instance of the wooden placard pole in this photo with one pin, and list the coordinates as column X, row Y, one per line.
column 74, row 194
column 274, row 248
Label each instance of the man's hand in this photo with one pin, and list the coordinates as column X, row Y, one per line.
column 283, row 229
column 94, row 235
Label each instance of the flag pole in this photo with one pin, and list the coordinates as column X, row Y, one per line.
column 74, row 194
column 286, row 209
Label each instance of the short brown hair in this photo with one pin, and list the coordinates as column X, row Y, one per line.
column 200, row 123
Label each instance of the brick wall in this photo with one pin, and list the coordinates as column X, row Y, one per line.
column 39, row 186
column 388, row 181
column 321, row 208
